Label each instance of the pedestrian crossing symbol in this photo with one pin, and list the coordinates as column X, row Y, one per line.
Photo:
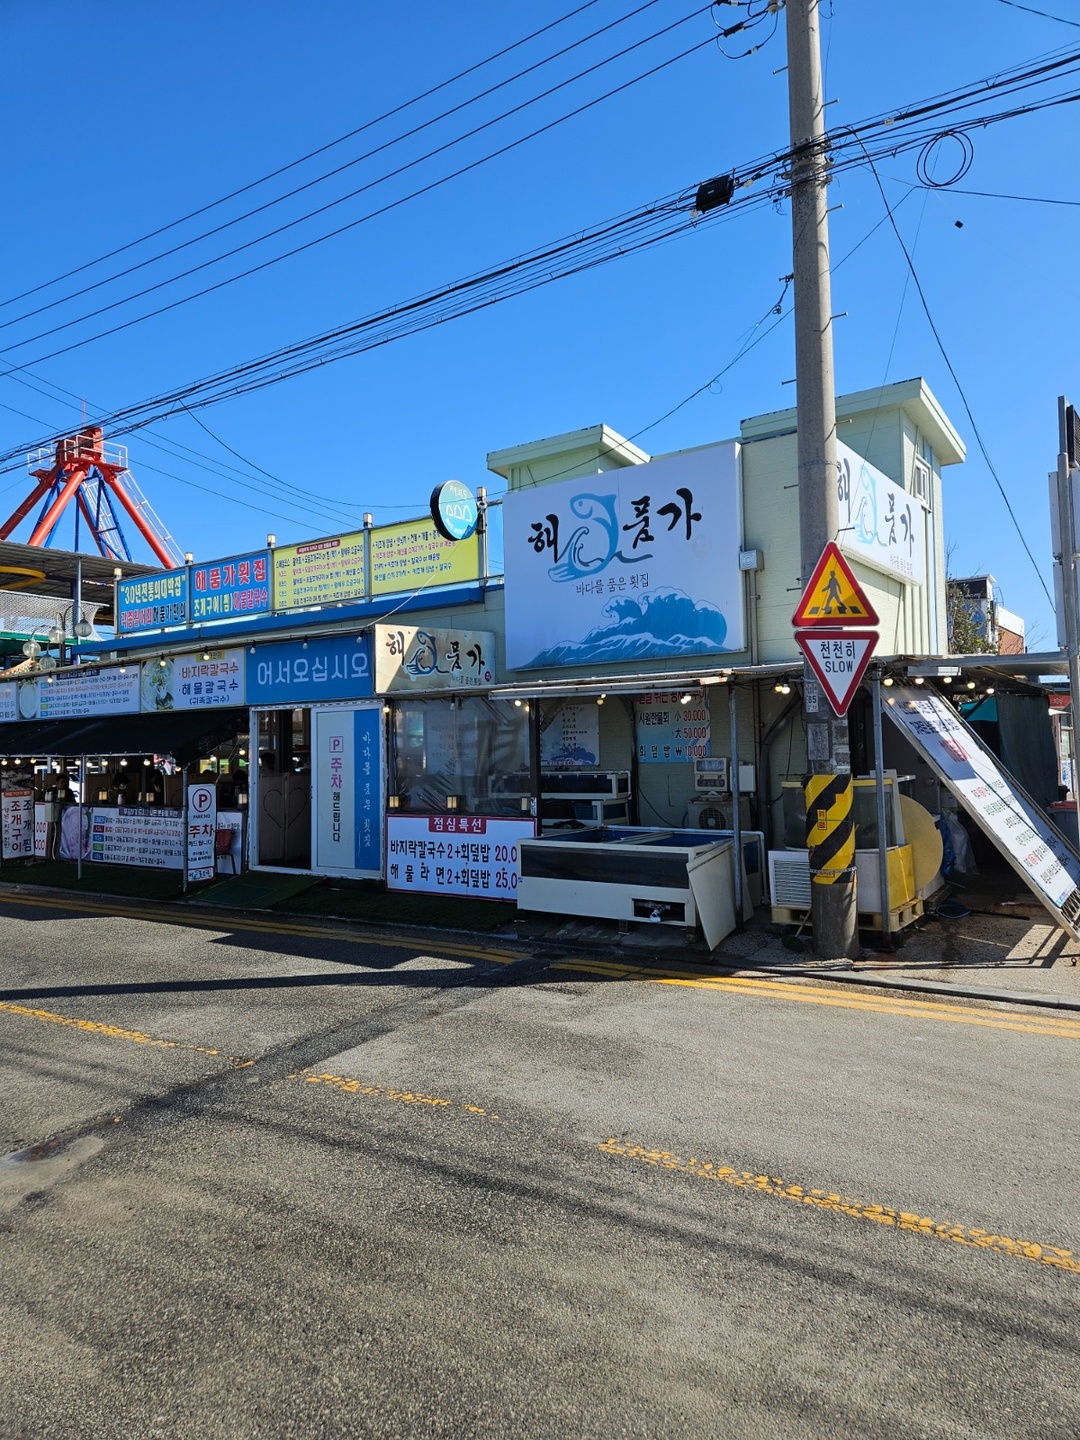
column 833, row 597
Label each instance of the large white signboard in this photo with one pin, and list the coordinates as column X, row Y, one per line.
column 475, row 856
column 1000, row 808
column 111, row 690
column 881, row 523
column 634, row 564
column 137, row 835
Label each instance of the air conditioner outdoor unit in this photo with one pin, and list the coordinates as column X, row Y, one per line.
column 705, row 812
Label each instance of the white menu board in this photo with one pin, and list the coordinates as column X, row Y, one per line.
column 474, row 856
column 112, row 690
column 137, row 835
column 193, row 682
column 994, row 801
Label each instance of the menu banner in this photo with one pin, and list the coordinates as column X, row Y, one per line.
column 669, row 730
column 475, row 856
column 72, row 694
column 414, row 555
column 137, row 835
column 194, row 682
column 320, row 572
column 152, row 601
column 222, row 589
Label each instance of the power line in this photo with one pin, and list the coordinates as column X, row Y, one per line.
column 310, row 184
column 372, row 214
column 311, row 154
column 1044, row 13
column 956, row 381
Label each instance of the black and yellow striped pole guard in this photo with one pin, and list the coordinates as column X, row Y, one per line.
column 830, row 829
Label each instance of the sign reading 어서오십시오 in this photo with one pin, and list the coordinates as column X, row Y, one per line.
column 637, row 564
column 333, row 667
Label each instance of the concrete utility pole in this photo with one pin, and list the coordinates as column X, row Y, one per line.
column 830, row 834
column 1065, row 540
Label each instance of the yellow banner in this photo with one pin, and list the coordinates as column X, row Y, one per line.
column 414, row 555
column 319, row 572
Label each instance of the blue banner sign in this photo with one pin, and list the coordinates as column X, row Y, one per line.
column 222, row 589
column 307, row 672
column 153, row 601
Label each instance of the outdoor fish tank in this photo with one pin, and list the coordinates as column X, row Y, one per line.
column 633, row 874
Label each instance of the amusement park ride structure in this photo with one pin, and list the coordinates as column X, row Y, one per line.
column 95, row 475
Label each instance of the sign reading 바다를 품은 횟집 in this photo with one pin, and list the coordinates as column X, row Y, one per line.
column 635, row 564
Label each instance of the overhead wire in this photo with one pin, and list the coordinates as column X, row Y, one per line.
column 956, row 381
column 425, row 189
column 303, row 159
column 318, row 180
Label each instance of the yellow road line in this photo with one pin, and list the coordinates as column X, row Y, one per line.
column 1054, row 1256
column 114, row 1032
column 270, row 927
column 1055, row 1026
column 385, row 1092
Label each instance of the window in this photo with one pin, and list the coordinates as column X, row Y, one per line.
column 474, row 749
column 921, row 480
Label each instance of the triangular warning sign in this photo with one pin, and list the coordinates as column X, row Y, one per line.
column 839, row 659
column 833, row 597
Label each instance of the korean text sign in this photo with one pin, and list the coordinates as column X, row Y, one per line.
column 1015, row 824
column 669, row 731
column 152, row 601
column 348, row 790
column 468, row 855
column 415, row 554
column 336, row 667
column 416, row 658
column 223, row 589
column 881, row 523
column 635, row 564
column 194, row 682
column 320, row 571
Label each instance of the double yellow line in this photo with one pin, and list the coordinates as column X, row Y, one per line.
column 227, row 923
column 947, row 1011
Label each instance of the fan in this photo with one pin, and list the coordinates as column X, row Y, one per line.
column 706, row 813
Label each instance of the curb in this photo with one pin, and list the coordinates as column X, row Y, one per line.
column 924, row 987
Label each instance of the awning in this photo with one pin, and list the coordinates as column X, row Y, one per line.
column 186, row 735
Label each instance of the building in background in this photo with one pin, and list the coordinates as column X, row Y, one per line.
column 978, row 622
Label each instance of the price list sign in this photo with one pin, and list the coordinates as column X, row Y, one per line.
column 474, row 856
column 137, row 835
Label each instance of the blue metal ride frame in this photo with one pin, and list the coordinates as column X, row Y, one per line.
column 99, row 532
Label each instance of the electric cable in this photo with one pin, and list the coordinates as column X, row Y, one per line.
column 308, row 185
column 311, row 155
column 956, row 381
column 372, row 214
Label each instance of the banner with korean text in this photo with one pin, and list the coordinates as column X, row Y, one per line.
column 306, row 672
column 475, row 856
column 347, row 789
column 413, row 659
column 638, row 564
column 414, row 555
column 193, row 682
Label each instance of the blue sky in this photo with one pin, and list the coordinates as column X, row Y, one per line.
column 123, row 118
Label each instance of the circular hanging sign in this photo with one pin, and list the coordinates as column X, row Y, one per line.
column 454, row 510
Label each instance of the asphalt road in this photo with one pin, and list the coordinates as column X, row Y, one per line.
column 312, row 1181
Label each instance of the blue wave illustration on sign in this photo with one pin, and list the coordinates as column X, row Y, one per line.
column 655, row 624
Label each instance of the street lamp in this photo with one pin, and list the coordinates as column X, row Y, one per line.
column 82, row 628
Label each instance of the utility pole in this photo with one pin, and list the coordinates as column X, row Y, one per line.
column 1065, row 538
column 830, row 831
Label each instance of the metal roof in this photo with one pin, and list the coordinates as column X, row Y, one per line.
column 41, row 571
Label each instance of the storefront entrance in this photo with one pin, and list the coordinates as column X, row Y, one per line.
column 317, row 795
